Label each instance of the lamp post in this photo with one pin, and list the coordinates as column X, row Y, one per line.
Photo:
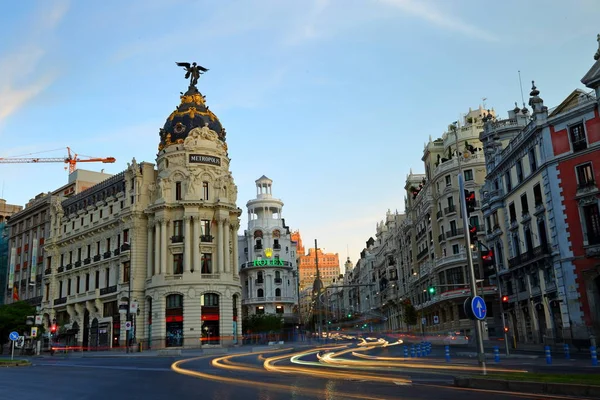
column 470, row 268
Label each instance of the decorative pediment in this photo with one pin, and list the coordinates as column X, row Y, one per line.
column 569, row 103
column 197, row 135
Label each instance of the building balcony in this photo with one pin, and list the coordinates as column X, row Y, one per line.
column 61, row 269
column 125, row 247
column 60, row 301
column 276, row 247
column 273, row 299
column 107, row 254
column 108, row 290
column 117, row 251
column 258, row 247
column 69, row 266
column 455, row 233
column 441, row 238
column 259, row 281
column 87, row 261
column 535, row 254
column 422, row 253
column 177, row 239
column 277, row 280
column 77, row 264
column 460, row 257
column 97, row 257
column 47, row 271
column 206, row 238
column 450, row 209
column 439, row 214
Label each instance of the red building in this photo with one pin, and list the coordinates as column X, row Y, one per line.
column 575, row 137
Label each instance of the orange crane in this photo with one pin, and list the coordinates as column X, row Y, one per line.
column 71, row 159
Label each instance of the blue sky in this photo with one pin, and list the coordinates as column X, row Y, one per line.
column 333, row 100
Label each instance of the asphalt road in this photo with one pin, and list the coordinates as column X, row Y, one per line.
column 239, row 377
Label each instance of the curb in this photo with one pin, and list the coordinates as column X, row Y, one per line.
column 529, row 387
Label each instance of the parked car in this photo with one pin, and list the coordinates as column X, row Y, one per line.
column 456, row 337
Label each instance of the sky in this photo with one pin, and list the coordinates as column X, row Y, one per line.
column 331, row 99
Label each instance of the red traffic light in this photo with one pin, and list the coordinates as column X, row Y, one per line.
column 505, row 299
column 53, row 328
column 506, row 329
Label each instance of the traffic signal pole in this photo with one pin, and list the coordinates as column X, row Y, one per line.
column 470, row 268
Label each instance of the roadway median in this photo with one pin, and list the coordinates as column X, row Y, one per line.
column 558, row 384
column 14, row 363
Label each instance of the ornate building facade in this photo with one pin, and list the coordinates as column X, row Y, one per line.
column 150, row 254
column 268, row 269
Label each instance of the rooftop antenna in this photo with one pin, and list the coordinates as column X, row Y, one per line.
column 521, row 85
column 483, row 99
column 347, row 251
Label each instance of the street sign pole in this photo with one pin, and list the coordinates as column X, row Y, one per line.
column 12, row 352
column 471, row 269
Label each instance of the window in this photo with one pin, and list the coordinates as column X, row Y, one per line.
column 78, row 284
column 259, row 277
column 177, row 190
column 206, row 263
column 468, row 175
column 260, row 310
column 453, row 231
column 519, row 167
column 577, row 136
column 126, row 236
column 177, row 264
column 107, row 248
column 474, row 221
column 508, row 181
column 260, row 293
column 205, row 190
column 532, row 160
column 524, row 204
column 89, row 251
column 47, row 292
column 126, row 271
column 97, row 282
column 174, row 301
column 178, row 228
column 87, row 282
column 69, row 287
column 62, row 260
column 279, row 309
column 537, row 195
column 106, row 277
column 512, row 212
column 585, row 176
column 455, row 249
column 277, row 292
column 60, row 289
column 211, row 300
column 79, row 254
column 591, row 216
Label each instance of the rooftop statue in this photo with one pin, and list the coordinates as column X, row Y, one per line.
column 193, row 71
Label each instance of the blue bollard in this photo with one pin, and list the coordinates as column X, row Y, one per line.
column 447, row 353
column 496, row 354
column 418, row 350
column 548, row 355
column 428, row 348
column 567, row 354
column 412, row 351
column 594, row 356
column 405, row 351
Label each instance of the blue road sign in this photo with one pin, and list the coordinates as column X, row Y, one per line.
column 13, row 336
column 478, row 307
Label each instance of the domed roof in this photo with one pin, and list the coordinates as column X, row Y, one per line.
column 191, row 113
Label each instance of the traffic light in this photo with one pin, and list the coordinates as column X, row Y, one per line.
column 349, row 315
column 505, row 303
column 470, row 200
column 488, row 260
column 473, row 234
column 53, row 328
column 431, row 290
column 506, row 329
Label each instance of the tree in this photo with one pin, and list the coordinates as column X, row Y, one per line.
column 410, row 314
column 13, row 317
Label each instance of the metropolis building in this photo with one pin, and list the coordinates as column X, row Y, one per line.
column 159, row 241
column 268, row 259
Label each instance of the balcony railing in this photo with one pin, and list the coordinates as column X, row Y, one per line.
column 108, row 290
column 277, row 280
column 579, row 145
column 258, row 247
column 439, row 214
column 449, row 209
column 107, row 254
column 259, row 281
column 585, row 185
column 60, row 301
column 125, row 247
column 276, row 247
column 77, row 264
column 97, row 257
column 47, row 271
column 206, row 238
column 532, row 255
column 69, row 267
column 422, row 253
column 441, row 238
column 87, row 261
column 117, row 251
column 61, row 268
column 177, row 239
column 454, row 233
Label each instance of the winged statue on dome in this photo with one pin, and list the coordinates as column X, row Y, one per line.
column 193, row 71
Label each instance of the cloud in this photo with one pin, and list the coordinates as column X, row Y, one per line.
column 21, row 80
column 432, row 14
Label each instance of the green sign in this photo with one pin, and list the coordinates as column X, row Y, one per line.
column 276, row 262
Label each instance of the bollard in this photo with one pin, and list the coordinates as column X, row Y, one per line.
column 548, row 355
column 418, row 350
column 412, row 350
column 405, row 351
column 496, row 354
column 567, row 354
column 428, row 347
column 447, row 353
column 594, row 356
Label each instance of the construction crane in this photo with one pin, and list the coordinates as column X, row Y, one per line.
column 71, row 159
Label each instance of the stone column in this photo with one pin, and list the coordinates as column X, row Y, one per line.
column 163, row 247
column 156, row 269
column 195, row 246
column 220, row 247
column 149, row 261
column 236, row 267
column 227, row 246
column 187, row 250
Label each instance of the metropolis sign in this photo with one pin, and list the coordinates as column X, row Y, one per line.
column 204, row 159
column 276, row 262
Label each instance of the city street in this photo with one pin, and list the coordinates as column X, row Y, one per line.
column 245, row 375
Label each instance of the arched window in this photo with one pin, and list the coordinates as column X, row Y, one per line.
column 174, row 301
column 259, row 277
column 211, row 300
column 277, row 275
column 260, row 293
column 277, row 292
